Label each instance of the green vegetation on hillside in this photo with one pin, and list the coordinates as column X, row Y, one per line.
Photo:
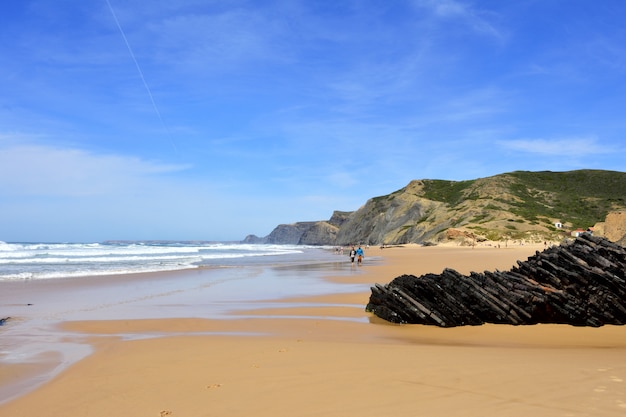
column 450, row 192
column 581, row 198
column 519, row 205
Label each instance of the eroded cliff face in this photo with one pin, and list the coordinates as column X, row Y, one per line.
column 289, row 234
column 411, row 219
column 407, row 218
column 613, row 228
column 394, row 219
column 323, row 232
column 480, row 213
column 505, row 207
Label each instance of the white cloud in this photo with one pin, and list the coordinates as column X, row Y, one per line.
column 50, row 171
column 201, row 42
column 342, row 179
column 445, row 8
column 476, row 19
column 579, row 146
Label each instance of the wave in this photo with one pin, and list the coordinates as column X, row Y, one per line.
column 34, row 260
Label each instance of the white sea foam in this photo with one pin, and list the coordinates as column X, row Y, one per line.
column 54, row 260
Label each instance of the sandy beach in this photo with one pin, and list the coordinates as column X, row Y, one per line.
column 323, row 355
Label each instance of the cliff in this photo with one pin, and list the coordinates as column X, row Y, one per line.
column 305, row 233
column 516, row 206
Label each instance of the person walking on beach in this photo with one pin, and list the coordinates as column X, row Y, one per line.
column 359, row 254
column 352, row 255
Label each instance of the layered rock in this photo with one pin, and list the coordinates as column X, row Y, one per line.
column 582, row 284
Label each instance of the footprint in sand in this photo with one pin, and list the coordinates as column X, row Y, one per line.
column 616, row 379
column 599, row 389
column 165, row 413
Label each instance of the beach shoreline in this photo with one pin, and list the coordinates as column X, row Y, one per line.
column 322, row 354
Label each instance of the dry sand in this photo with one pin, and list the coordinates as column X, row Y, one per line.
column 328, row 357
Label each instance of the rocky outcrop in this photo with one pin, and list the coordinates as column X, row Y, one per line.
column 339, row 218
column 254, row 240
column 314, row 233
column 582, row 284
column 288, row 234
column 615, row 226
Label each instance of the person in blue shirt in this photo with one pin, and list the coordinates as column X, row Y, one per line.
column 359, row 255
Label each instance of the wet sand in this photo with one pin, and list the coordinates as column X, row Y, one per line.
column 323, row 355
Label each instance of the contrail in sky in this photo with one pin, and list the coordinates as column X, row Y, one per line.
column 143, row 79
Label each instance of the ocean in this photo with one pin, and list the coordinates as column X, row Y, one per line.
column 32, row 261
column 45, row 284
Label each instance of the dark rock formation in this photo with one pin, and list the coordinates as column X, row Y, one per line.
column 582, row 284
column 4, row 320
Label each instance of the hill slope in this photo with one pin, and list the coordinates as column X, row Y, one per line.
column 520, row 205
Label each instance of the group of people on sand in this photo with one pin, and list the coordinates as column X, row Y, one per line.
column 358, row 254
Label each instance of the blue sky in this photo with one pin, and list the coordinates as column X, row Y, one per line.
column 199, row 119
